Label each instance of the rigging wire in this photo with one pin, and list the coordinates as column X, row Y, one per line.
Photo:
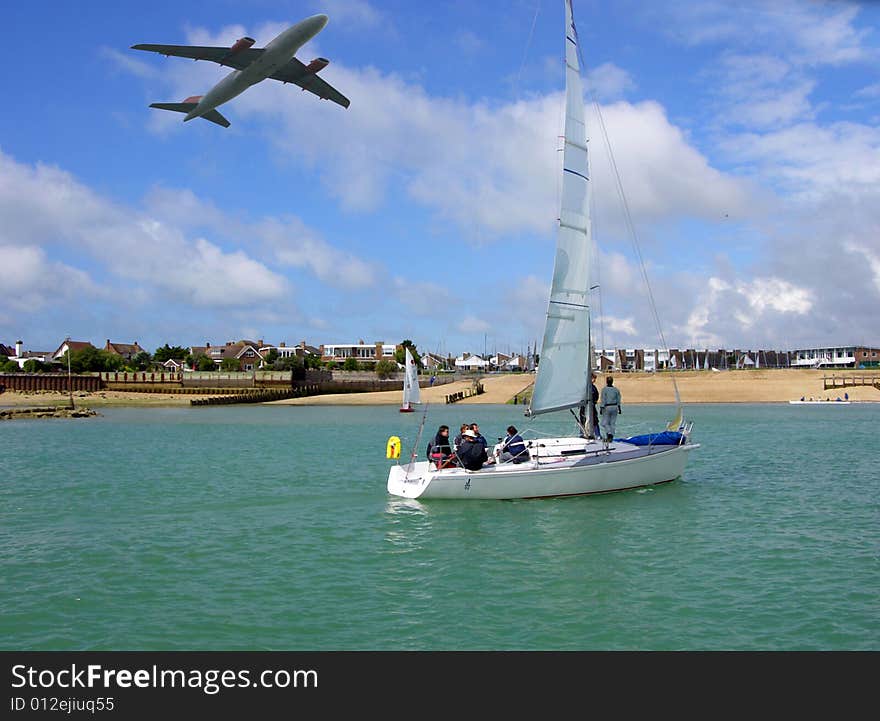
column 630, row 225
column 526, row 51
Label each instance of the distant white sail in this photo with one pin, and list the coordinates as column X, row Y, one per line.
column 410, row 380
column 706, row 360
column 562, row 380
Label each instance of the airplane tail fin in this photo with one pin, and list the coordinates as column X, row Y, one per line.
column 214, row 116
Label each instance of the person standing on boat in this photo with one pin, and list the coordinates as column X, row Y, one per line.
column 471, row 453
column 513, row 448
column 609, row 408
column 439, row 449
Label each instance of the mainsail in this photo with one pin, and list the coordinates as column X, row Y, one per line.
column 563, row 367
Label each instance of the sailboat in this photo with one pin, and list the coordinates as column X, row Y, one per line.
column 410, row 383
column 579, row 464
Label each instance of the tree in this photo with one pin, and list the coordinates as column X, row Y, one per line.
column 167, row 352
column 294, row 364
column 271, row 356
column 351, row 364
column 202, row 363
column 386, row 368
column 9, row 367
column 312, row 361
column 32, row 365
column 230, row 364
column 141, row 361
column 400, row 353
column 90, row 359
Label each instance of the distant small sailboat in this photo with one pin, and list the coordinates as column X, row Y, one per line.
column 410, row 384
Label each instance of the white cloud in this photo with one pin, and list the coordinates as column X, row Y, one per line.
column 471, row 325
column 806, row 32
column 609, row 81
column 284, row 240
column 352, row 13
column 808, row 160
column 467, row 41
column 31, row 282
column 869, row 91
column 125, row 62
column 871, row 257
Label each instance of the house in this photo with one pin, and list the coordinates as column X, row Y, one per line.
column 126, row 350
column 21, row 356
column 836, row 357
column 246, row 352
column 466, row 361
column 72, row 345
column 433, row 362
column 7, row 351
column 373, row 353
column 174, row 365
column 302, row 350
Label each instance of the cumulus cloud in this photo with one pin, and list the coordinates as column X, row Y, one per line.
column 176, row 251
column 609, row 82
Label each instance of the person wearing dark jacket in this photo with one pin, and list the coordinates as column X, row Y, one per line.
column 513, row 448
column 439, row 449
column 476, row 429
column 471, row 453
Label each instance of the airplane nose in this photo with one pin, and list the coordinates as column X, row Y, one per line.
column 319, row 22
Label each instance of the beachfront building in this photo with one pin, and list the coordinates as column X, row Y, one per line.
column 301, row 350
column 72, row 345
column 21, row 356
column 434, row 362
column 360, row 351
column 126, row 350
column 468, row 362
column 246, row 352
column 836, row 357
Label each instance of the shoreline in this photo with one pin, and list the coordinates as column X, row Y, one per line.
column 695, row 387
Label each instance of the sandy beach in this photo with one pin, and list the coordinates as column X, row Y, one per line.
column 743, row 386
column 737, row 386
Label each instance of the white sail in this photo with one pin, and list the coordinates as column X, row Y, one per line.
column 563, row 369
column 410, row 380
column 706, row 360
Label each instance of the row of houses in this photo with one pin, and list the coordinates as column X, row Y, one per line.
column 19, row 355
column 252, row 355
column 638, row 359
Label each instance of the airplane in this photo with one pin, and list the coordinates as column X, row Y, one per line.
column 251, row 66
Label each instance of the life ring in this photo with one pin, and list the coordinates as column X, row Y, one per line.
column 393, row 448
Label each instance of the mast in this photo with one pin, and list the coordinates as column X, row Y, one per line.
column 564, row 370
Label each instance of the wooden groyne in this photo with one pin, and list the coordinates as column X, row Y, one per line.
column 832, row 382
column 49, row 382
column 461, row 395
column 246, row 396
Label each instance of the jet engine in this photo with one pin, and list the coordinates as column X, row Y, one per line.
column 317, row 65
column 241, row 44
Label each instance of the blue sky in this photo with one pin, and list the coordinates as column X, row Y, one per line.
column 746, row 135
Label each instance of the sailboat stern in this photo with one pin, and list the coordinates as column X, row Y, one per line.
column 410, row 480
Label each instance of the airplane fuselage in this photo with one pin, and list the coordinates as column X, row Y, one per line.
column 275, row 55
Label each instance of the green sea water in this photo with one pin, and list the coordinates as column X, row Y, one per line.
column 269, row 527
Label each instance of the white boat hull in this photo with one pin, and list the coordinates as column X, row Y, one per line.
column 554, row 473
column 819, row 403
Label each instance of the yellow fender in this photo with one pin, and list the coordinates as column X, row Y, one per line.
column 393, row 448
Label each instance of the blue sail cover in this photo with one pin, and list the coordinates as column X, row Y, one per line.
column 666, row 438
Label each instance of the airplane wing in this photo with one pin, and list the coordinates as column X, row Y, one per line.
column 223, row 56
column 297, row 73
